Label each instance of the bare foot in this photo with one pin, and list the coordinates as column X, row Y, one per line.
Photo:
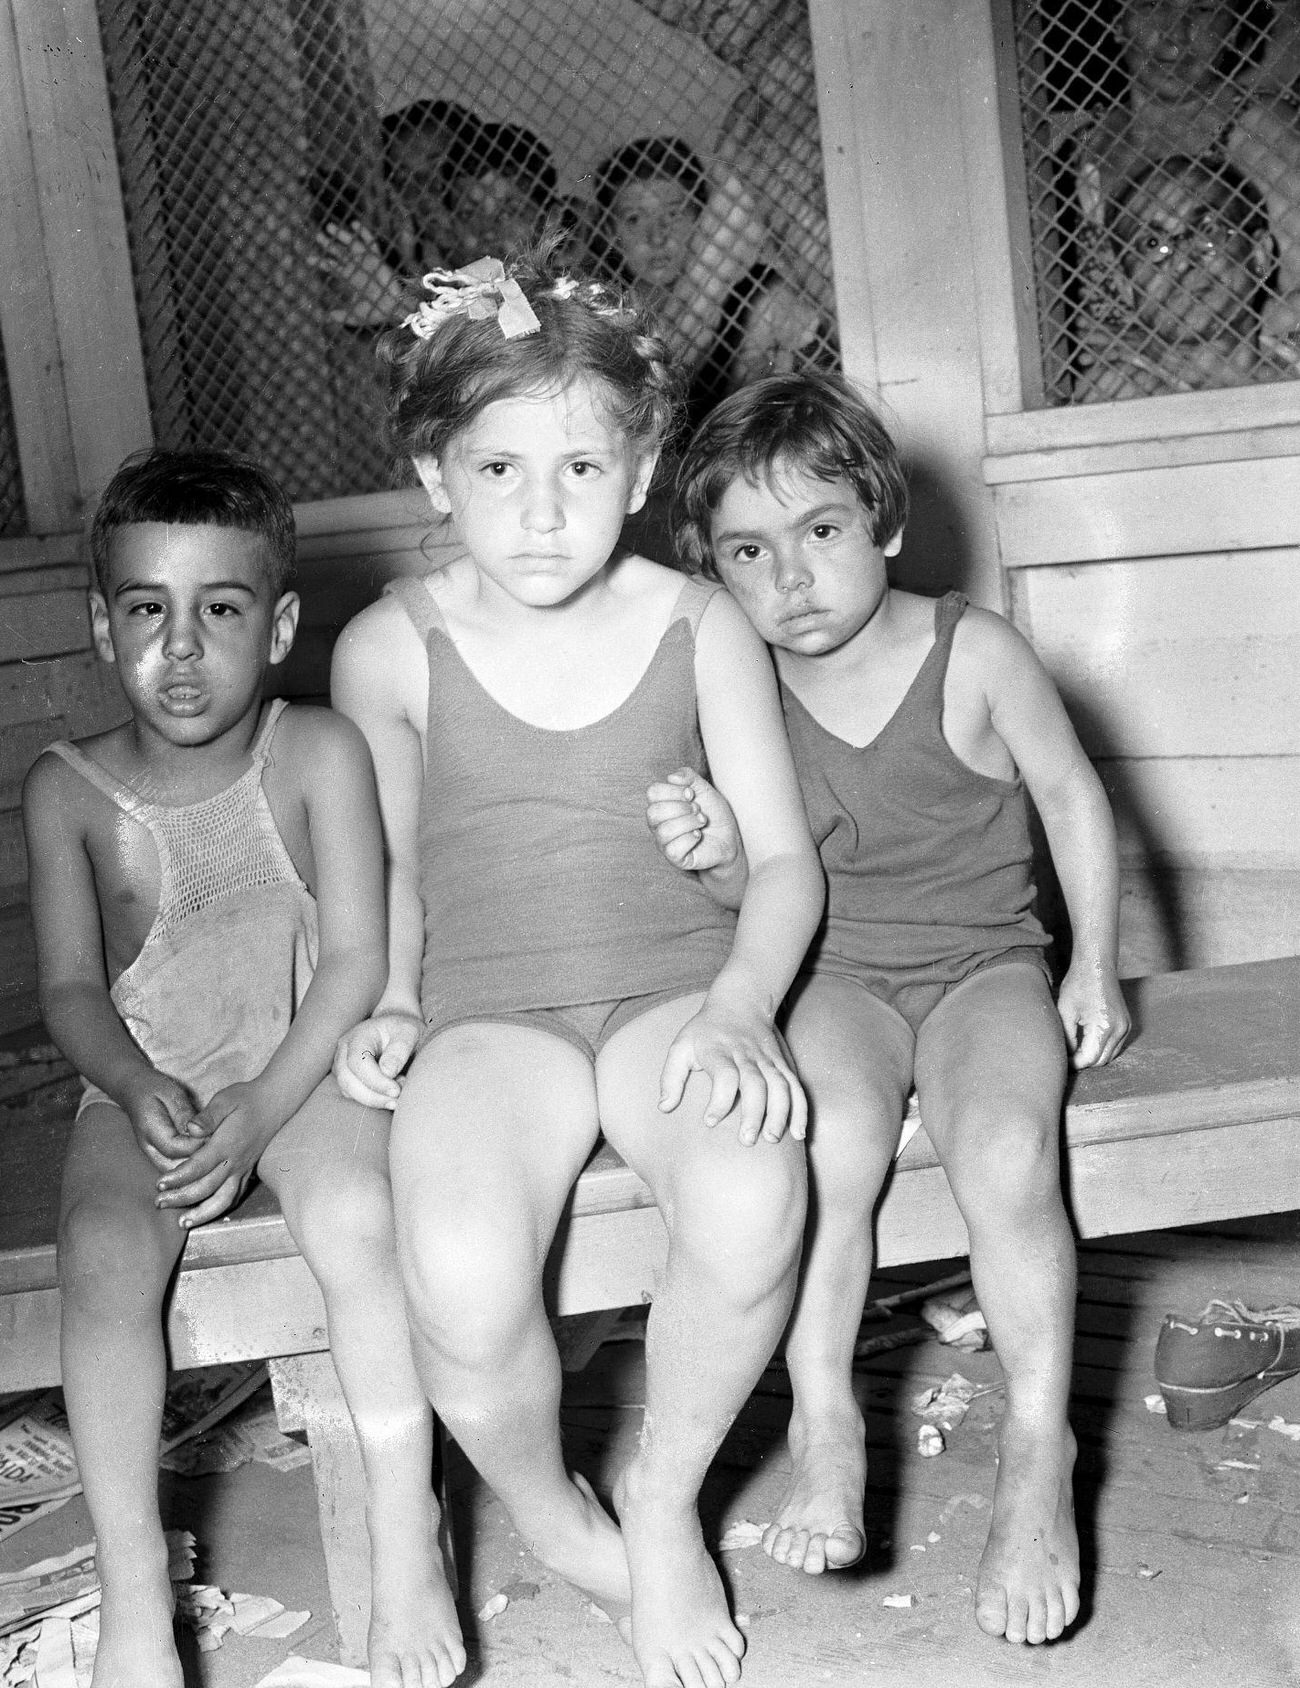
column 1028, row 1585
column 137, row 1646
column 587, row 1550
column 818, row 1525
column 415, row 1637
column 682, row 1633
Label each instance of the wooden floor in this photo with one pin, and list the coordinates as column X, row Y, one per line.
column 1191, row 1542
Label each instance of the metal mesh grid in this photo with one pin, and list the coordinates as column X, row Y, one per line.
column 13, row 512
column 1162, row 143
column 290, row 166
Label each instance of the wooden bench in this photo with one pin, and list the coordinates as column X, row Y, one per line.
column 1199, row 1120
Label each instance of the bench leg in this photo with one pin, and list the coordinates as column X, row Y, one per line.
column 308, row 1397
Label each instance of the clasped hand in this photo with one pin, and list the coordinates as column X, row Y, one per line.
column 369, row 1060
column 226, row 1139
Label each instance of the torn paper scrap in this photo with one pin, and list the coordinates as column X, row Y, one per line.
column 1155, row 1404
column 297, row 1672
column 743, row 1533
column 1280, row 1424
column 493, row 1608
column 944, row 1405
column 900, row 1601
column 929, row 1441
column 957, row 1321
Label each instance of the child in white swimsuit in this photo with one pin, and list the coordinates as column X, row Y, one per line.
column 206, row 888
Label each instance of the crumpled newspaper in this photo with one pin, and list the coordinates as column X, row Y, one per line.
column 942, row 1406
column 212, row 1614
column 957, row 1321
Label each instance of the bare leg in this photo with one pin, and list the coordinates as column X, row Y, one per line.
column 854, row 1055
column 990, row 1073
column 117, row 1253
column 734, row 1217
column 329, row 1167
column 493, row 1127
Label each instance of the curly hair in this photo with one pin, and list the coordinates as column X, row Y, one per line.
column 589, row 329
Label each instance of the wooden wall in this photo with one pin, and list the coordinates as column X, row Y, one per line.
column 1149, row 548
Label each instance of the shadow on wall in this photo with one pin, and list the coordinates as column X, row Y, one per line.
column 1153, row 918
column 937, row 554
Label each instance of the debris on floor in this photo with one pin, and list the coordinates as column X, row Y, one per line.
column 203, row 1431
column 492, row 1608
column 298, row 1672
column 743, row 1533
column 49, row 1618
column 212, row 1615
column 957, row 1321
column 942, row 1406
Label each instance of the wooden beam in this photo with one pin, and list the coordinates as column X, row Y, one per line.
column 83, row 241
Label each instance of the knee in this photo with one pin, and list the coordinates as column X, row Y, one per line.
column 344, row 1229
column 469, row 1290
column 743, row 1220
column 1011, row 1162
column 111, row 1260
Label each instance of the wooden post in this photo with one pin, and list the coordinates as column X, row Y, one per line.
column 308, row 1397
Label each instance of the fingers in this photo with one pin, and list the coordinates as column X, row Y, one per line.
column 164, row 1163
column 725, row 1085
column 679, row 1064
column 360, row 1078
column 181, row 1176
column 195, row 1189
column 1087, row 1048
column 220, row 1202
column 397, row 1051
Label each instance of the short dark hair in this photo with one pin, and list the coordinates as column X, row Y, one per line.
column 650, row 159
column 815, row 422
column 197, row 489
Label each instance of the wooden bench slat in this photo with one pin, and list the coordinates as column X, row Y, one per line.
column 1213, row 1062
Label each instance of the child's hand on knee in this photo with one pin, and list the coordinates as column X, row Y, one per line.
column 1094, row 1014
column 237, row 1129
column 745, row 1060
column 369, row 1060
column 163, row 1117
column 692, row 822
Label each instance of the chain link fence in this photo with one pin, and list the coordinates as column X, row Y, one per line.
column 291, row 167
column 1162, row 151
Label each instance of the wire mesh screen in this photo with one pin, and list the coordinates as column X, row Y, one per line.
column 290, row 167
column 1162, row 146
column 13, row 511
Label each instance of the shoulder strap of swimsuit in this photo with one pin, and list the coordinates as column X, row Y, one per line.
column 262, row 743
column 693, row 600
column 99, row 777
column 419, row 603
column 948, row 611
